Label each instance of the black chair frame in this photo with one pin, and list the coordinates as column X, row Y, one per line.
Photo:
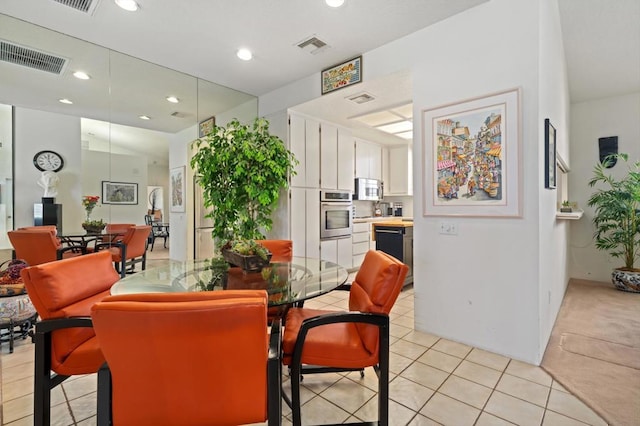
column 297, row 369
column 274, row 383
column 44, row 379
column 121, row 267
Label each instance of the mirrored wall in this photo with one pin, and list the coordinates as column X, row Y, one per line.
column 116, row 126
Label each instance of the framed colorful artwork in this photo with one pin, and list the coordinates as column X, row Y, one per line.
column 342, row 75
column 206, row 127
column 549, row 155
column 177, row 189
column 119, row 193
column 471, row 157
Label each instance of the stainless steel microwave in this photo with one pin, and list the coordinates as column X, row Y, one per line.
column 368, row 189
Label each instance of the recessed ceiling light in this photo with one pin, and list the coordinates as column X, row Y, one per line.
column 244, row 54
column 144, row 117
column 129, row 5
column 81, row 75
column 173, row 99
column 334, row 3
column 65, row 101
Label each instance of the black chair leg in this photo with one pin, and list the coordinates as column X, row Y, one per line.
column 104, row 397
column 41, row 382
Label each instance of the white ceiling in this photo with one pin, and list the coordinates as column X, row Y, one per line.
column 200, row 37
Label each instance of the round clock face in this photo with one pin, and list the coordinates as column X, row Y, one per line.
column 48, row 160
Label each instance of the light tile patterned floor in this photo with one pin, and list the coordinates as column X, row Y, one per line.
column 433, row 381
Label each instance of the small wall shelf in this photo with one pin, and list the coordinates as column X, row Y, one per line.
column 574, row 215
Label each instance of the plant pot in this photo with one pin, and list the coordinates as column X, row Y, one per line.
column 566, row 209
column 249, row 263
column 626, row 280
column 93, row 229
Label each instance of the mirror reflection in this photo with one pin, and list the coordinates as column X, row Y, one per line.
column 119, row 128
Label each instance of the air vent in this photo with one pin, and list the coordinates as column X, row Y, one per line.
column 85, row 6
column 31, row 58
column 313, row 45
column 361, row 98
column 179, row 114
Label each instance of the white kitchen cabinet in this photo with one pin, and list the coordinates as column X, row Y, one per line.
column 368, row 159
column 400, row 180
column 305, row 222
column 336, row 158
column 361, row 240
column 337, row 251
column 304, row 143
column 345, row 160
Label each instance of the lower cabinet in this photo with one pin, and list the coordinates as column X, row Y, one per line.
column 362, row 243
column 337, row 251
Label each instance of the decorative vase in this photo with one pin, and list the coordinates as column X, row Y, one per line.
column 626, row 280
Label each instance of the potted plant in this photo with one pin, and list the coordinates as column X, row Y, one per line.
column 242, row 171
column 617, row 219
column 566, row 207
column 247, row 254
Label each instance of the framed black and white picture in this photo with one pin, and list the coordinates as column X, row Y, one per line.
column 119, row 193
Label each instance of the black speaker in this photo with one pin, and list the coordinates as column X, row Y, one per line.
column 608, row 146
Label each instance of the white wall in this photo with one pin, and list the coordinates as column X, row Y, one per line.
column 553, row 104
column 35, row 131
column 481, row 287
column 615, row 116
column 6, row 174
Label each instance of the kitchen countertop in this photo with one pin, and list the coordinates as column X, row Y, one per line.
column 372, row 219
column 396, row 223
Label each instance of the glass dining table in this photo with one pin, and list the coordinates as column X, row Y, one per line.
column 285, row 282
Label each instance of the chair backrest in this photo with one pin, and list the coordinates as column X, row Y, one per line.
column 53, row 229
column 136, row 240
column 186, row 358
column 69, row 288
column 34, row 246
column 281, row 250
column 156, row 215
column 122, row 228
column 148, row 220
column 375, row 289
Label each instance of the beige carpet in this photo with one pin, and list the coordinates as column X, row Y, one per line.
column 594, row 350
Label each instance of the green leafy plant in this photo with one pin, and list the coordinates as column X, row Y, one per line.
column 248, row 248
column 566, row 203
column 242, row 171
column 617, row 211
column 219, row 268
column 95, row 223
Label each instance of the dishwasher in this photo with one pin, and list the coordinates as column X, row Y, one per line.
column 398, row 242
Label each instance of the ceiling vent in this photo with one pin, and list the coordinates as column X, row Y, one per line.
column 361, row 98
column 313, row 45
column 85, row 6
column 31, row 58
column 179, row 114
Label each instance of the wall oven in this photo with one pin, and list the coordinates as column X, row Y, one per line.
column 336, row 214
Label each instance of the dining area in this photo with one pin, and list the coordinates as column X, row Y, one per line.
column 127, row 320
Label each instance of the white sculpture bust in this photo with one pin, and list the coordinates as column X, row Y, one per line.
column 49, row 182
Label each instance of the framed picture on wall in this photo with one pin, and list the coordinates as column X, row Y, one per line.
column 119, row 193
column 206, row 127
column 549, row 155
column 342, row 75
column 177, row 189
column 471, row 157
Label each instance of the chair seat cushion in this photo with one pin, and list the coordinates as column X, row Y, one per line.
column 85, row 359
column 335, row 345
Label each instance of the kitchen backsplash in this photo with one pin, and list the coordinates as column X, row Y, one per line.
column 366, row 208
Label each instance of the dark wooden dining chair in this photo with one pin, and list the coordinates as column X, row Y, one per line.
column 320, row 341
column 158, row 230
column 63, row 293
column 222, row 366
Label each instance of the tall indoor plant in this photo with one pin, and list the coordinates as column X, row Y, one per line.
column 617, row 218
column 242, row 170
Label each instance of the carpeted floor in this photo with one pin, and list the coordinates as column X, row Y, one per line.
column 594, row 350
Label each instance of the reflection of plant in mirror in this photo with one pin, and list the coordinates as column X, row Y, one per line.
column 219, row 268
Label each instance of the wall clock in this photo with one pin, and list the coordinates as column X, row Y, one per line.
column 48, row 161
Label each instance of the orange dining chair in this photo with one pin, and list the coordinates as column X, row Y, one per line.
column 36, row 246
column 128, row 251
column 63, row 293
column 222, row 366
column 117, row 228
column 318, row 341
column 281, row 250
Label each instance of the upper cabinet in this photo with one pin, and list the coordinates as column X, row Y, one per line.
column 368, row 159
column 400, row 171
column 336, row 158
column 304, row 142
